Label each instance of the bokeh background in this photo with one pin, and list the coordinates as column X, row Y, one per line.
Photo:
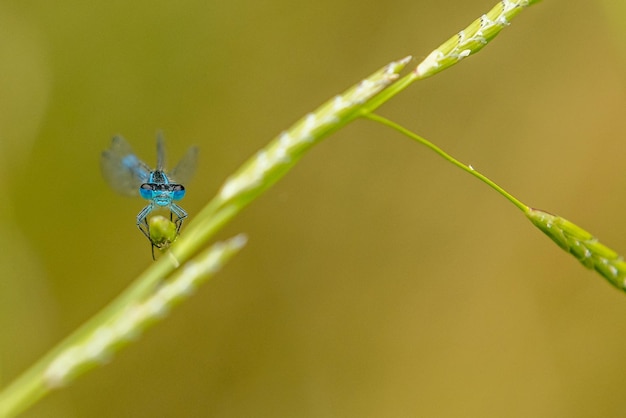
column 379, row 281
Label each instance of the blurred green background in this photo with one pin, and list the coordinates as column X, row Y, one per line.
column 378, row 280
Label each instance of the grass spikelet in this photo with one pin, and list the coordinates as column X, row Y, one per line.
column 465, row 43
column 473, row 38
column 283, row 152
column 99, row 346
column 582, row 245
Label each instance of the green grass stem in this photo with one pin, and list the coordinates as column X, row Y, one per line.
column 467, row 168
column 567, row 235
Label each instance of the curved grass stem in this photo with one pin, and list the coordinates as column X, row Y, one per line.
column 467, row 168
column 567, row 235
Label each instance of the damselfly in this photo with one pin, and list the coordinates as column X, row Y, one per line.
column 130, row 176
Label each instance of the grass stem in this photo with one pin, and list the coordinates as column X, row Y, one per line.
column 469, row 169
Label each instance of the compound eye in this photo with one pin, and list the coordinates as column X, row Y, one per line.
column 178, row 191
column 145, row 190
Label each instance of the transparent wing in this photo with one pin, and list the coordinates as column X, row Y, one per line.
column 122, row 169
column 183, row 172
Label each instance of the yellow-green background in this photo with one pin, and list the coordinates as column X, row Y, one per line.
column 378, row 281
